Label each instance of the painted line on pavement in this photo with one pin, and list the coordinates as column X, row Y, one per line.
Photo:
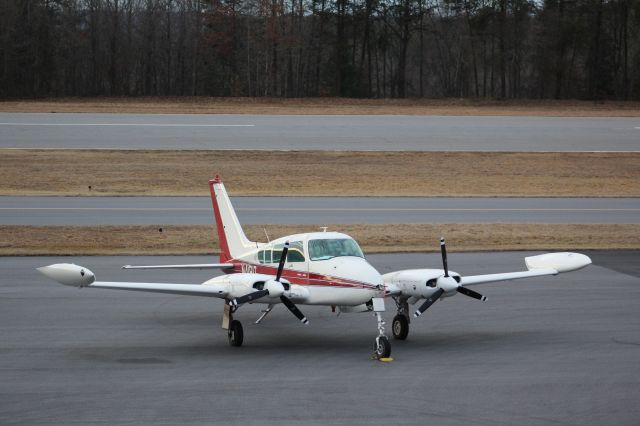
column 127, row 125
column 327, row 209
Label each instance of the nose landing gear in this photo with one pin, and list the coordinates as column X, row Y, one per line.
column 381, row 347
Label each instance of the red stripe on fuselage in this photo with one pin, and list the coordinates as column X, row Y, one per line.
column 310, row 279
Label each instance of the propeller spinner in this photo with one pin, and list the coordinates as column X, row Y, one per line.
column 446, row 284
column 274, row 288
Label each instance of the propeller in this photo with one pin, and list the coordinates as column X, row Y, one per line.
column 249, row 297
column 274, row 288
column 446, row 283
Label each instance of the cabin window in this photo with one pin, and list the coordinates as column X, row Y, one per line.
column 295, row 253
column 329, row 248
column 264, row 256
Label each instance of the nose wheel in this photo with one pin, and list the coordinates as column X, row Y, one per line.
column 382, row 347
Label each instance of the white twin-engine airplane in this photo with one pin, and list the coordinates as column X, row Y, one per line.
column 317, row 268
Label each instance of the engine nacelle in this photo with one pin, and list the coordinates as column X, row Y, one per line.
column 297, row 293
column 417, row 283
column 69, row 274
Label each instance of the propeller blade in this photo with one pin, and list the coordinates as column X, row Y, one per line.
column 430, row 301
column 294, row 309
column 471, row 293
column 249, row 297
column 443, row 250
column 283, row 259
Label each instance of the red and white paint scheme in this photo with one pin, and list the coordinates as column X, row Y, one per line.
column 317, row 268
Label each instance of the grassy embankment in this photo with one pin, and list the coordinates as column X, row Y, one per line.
column 319, row 173
column 71, row 172
column 325, row 106
column 147, row 240
column 42, row 172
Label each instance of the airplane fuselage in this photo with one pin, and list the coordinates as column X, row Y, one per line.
column 329, row 266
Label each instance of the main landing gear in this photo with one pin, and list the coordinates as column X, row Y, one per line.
column 235, row 333
column 400, row 324
column 233, row 327
column 381, row 347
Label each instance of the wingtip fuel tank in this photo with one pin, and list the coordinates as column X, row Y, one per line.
column 561, row 262
column 68, row 274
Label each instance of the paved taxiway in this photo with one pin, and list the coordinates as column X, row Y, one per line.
column 415, row 133
column 315, row 210
column 556, row 350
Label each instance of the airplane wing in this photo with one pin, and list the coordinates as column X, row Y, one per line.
column 238, row 288
column 425, row 283
column 219, row 291
column 544, row 264
column 507, row 276
column 79, row 276
column 194, row 266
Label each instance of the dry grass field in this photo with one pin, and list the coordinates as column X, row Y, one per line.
column 319, row 173
column 325, row 106
column 148, row 240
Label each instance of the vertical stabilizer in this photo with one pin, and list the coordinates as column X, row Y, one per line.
column 233, row 242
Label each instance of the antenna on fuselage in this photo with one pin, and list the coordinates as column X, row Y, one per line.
column 267, row 235
column 324, row 228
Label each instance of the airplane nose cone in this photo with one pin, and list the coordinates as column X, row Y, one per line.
column 360, row 270
column 68, row 274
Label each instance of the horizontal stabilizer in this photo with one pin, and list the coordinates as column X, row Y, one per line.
column 195, row 266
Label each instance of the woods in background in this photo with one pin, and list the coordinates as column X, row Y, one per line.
column 584, row 49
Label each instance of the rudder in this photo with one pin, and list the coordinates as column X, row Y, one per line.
column 233, row 242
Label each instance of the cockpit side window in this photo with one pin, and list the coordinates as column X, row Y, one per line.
column 295, row 253
column 329, row 248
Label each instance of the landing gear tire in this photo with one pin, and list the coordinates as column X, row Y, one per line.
column 382, row 347
column 235, row 333
column 400, row 327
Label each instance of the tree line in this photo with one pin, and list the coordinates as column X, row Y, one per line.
column 582, row 49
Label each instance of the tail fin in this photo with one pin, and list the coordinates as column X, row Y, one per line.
column 233, row 242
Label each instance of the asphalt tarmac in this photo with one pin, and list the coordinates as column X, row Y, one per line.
column 315, row 210
column 413, row 133
column 554, row 350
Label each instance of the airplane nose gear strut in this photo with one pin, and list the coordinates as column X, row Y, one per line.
column 382, row 347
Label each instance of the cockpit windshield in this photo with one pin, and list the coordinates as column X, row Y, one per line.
column 330, row 248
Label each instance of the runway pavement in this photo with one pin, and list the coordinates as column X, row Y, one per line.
column 315, row 210
column 555, row 350
column 415, row 133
